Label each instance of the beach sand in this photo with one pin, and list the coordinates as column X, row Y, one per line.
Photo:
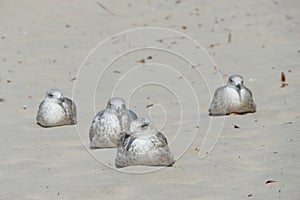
column 46, row 45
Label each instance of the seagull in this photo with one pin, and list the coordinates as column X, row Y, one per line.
column 143, row 145
column 108, row 125
column 56, row 110
column 232, row 98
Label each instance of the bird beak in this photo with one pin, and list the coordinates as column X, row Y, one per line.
column 61, row 99
column 118, row 110
column 238, row 86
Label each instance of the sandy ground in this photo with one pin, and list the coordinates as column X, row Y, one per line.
column 43, row 44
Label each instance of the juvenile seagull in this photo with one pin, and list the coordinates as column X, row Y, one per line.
column 232, row 98
column 143, row 145
column 56, row 110
column 108, row 125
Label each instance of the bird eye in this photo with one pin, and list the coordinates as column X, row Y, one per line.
column 50, row 95
column 144, row 125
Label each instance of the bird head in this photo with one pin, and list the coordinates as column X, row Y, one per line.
column 117, row 104
column 141, row 125
column 235, row 81
column 54, row 95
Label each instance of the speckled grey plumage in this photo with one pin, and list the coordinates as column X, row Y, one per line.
column 232, row 98
column 143, row 145
column 109, row 124
column 56, row 110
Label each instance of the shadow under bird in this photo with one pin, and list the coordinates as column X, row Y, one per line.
column 232, row 98
column 108, row 125
column 143, row 144
column 56, row 110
